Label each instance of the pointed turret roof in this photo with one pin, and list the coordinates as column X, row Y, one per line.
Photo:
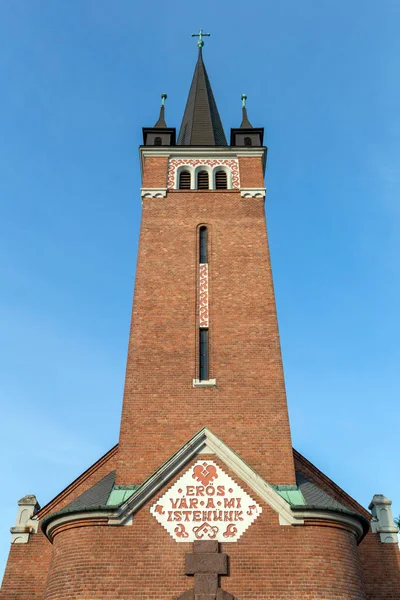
column 201, row 123
column 245, row 124
column 161, row 119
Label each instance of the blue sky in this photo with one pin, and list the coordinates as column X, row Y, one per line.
column 79, row 79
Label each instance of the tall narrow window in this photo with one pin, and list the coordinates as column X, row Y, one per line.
column 184, row 180
column 247, row 141
column 203, row 355
column 157, row 141
column 203, row 305
column 203, row 245
column 202, row 180
column 221, row 180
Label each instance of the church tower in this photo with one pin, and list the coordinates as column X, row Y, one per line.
column 204, row 347
column 204, row 497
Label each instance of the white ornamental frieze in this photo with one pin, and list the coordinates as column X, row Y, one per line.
column 205, row 504
column 231, row 163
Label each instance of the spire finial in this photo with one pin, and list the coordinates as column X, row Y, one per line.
column 163, row 99
column 245, row 120
column 200, row 35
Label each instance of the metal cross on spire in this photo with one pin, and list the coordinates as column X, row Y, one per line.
column 200, row 35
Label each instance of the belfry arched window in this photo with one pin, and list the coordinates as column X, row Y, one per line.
column 221, row 181
column 184, row 180
column 202, row 180
column 247, row 141
column 157, row 141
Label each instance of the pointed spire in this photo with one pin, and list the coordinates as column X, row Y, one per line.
column 201, row 123
column 246, row 134
column 160, row 134
column 161, row 119
column 245, row 124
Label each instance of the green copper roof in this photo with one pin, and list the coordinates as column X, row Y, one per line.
column 291, row 493
column 120, row 493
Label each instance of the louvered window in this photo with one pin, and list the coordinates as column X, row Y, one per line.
column 220, row 180
column 202, row 180
column 157, row 141
column 184, row 180
column 247, row 141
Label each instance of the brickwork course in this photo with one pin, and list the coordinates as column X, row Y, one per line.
column 98, row 539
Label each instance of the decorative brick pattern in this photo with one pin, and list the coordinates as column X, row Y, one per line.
column 174, row 163
column 204, row 320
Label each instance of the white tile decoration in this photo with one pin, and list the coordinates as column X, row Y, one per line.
column 205, row 504
column 203, row 296
column 231, row 163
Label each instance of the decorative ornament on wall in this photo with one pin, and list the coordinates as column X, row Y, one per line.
column 203, row 295
column 205, row 504
column 231, row 163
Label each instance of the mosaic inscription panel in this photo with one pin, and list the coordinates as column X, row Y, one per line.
column 205, row 504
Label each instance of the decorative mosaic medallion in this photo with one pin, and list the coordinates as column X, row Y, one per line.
column 205, row 504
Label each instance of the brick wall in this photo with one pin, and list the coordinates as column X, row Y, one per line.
column 142, row 561
column 155, row 172
column 251, row 174
column 28, row 564
column 381, row 568
column 380, row 562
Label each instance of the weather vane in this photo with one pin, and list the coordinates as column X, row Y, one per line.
column 200, row 35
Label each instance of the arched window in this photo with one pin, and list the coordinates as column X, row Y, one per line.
column 157, row 141
column 247, row 141
column 221, row 182
column 184, row 180
column 202, row 180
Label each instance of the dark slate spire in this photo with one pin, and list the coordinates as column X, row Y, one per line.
column 245, row 124
column 161, row 119
column 201, row 123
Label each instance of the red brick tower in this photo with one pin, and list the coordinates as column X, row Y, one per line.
column 203, row 191
column 204, row 472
